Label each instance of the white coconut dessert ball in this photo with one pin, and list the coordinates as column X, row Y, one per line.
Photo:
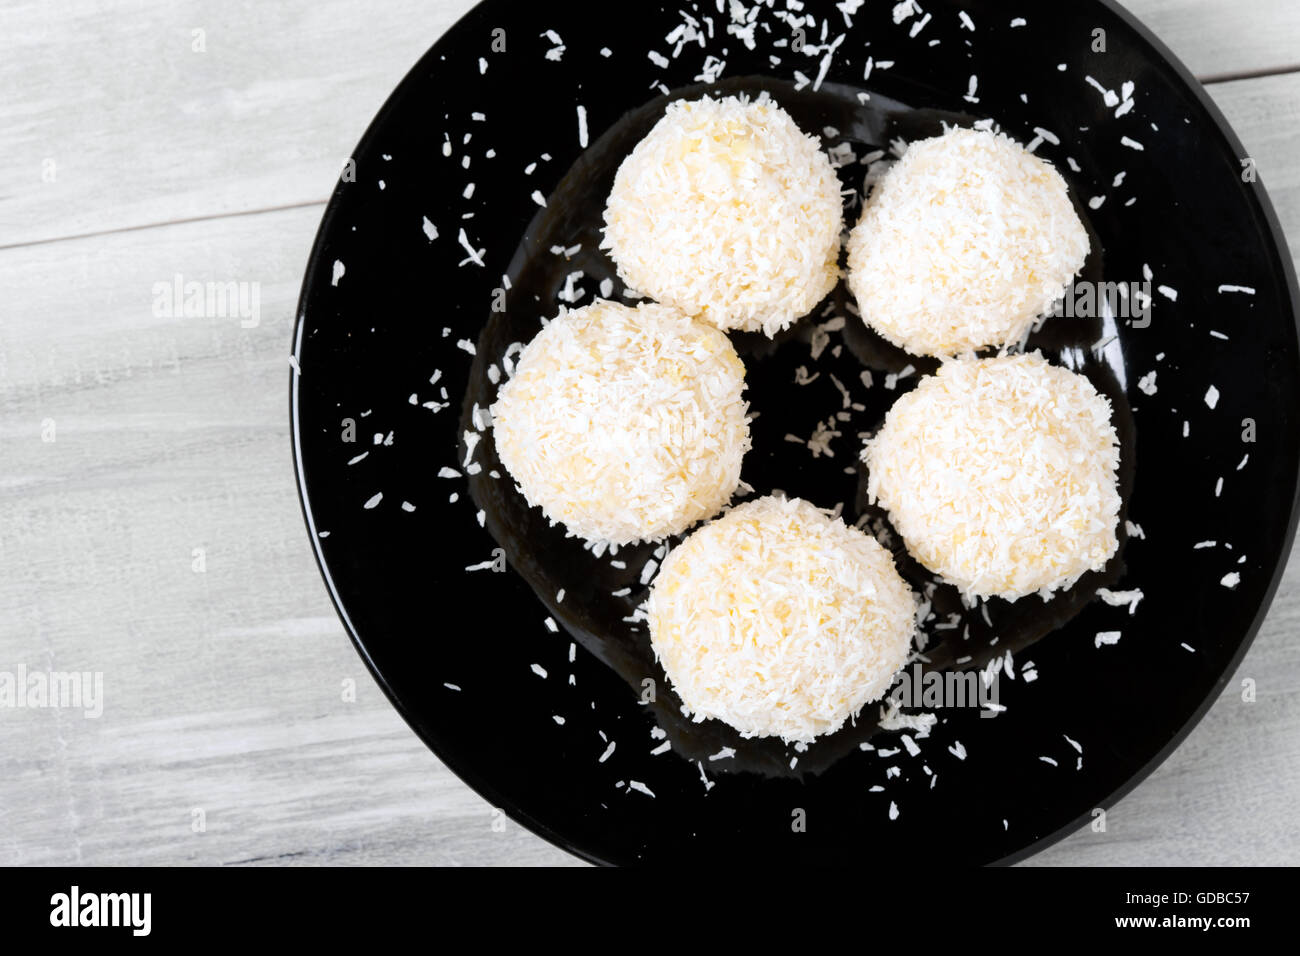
column 780, row 620
column 729, row 212
column 963, row 244
column 624, row 424
column 1000, row 475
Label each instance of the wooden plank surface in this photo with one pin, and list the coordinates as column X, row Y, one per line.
column 171, row 435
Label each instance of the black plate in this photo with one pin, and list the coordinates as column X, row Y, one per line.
column 461, row 652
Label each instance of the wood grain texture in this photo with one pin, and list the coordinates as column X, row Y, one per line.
column 264, row 116
column 224, row 688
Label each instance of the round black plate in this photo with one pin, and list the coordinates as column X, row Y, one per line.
column 436, row 254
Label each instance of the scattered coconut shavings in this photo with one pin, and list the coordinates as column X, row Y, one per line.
column 892, row 719
column 1230, row 580
column 475, row 255
column 904, row 9
column 609, row 751
column 539, row 670
column 1244, row 289
column 1049, row 760
column 1169, row 293
column 848, row 8
column 1211, row 396
column 958, row 750
column 451, row 686
column 1108, row 96
column 1147, row 383
column 648, row 570
column 1107, row 637
column 1131, row 143
column 582, row 126
column 372, row 502
column 893, row 810
column 1047, row 135
column 556, row 52
column 1187, row 647
column 339, row 270
column 640, row 787
column 820, row 441
column 1121, row 598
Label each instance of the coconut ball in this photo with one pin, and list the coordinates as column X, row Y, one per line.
column 729, row 212
column 624, row 424
column 963, row 244
column 1000, row 475
column 780, row 620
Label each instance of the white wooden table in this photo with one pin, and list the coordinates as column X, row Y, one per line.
column 127, row 156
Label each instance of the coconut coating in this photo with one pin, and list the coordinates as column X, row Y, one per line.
column 963, row 244
column 780, row 620
column 624, row 424
column 729, row 212
column 1001, row 475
